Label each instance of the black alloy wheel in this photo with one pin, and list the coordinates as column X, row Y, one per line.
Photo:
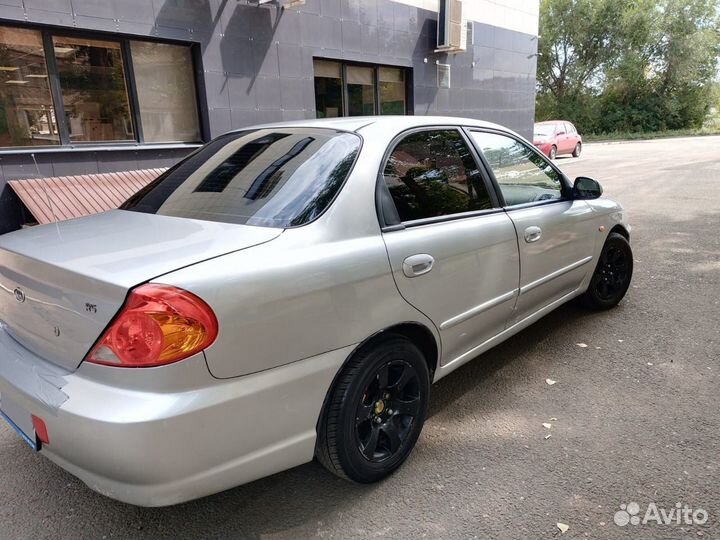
column 387, row 410
column 375, row 411
column 613, row 273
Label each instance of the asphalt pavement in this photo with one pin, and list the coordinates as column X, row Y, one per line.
column 634, row 413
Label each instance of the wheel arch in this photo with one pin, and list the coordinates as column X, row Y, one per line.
column 622, row 231
column 417, row 333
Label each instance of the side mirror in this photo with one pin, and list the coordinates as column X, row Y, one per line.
column 586, row 188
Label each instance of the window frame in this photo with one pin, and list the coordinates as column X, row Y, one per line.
column 48, row 31
column 344, row 64
column 384, row 204
column 566, row 186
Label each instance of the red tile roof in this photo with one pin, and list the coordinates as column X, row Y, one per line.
column 76, row 196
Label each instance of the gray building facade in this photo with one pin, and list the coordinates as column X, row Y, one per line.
column 92, row 86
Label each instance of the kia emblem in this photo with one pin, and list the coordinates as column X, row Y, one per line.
column 19, row 294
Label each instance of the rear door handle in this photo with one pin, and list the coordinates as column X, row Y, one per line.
column 533, row 234
column 417, row 265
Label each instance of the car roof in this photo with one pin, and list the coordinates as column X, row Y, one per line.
column 553, row 122
column 356, row 123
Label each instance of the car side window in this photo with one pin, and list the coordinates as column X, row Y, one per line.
column 522, row 174
column 432, row 173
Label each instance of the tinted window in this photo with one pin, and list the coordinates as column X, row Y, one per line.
column 523, row 175
column 267, row 177
column 432, row 173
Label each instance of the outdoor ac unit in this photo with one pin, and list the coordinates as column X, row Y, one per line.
column 452, row 27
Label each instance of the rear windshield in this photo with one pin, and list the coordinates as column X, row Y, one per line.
column 265, row 177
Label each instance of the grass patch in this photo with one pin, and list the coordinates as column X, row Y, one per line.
column 710, row 128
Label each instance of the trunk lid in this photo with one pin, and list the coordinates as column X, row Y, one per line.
column 61, row 284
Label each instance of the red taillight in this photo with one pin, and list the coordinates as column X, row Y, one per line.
column 158, row 324
column 40, row 429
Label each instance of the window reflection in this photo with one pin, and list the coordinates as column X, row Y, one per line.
column 523, row 175
column 166, row 92
column 432, row 174
column 260, row 177
column 27, row 116
column 94, row 94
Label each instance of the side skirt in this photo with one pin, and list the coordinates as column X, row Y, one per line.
column 505, row 334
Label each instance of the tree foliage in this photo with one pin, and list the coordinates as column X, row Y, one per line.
column 628, row 65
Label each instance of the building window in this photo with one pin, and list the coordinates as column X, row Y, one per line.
column 94, row 94
column 343, row 89
column 66, row 89
column 166, row 92
column 27, row 115
column 392, row 91
column 360, row 90
column 328, row 89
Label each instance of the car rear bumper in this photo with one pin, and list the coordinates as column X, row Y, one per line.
column 161, row 446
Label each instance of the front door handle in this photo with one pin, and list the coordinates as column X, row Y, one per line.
column 417, row 265
column 533, row 234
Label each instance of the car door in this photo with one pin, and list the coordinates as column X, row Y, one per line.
column 563, row 138
column 452, row 249
column 556, row 234
column 575, row 137
column 570, row 138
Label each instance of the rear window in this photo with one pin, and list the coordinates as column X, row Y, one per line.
column 266, row 177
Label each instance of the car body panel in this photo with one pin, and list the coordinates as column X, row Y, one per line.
column 160, row 436
column 558, row 261
column 293, row 306
column 295, row 299
column 456, row 294
column 75, row 275
column 315, row 288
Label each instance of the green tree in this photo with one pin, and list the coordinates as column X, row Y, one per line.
column 635, row 65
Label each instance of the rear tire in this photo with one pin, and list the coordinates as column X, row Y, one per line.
column 613, row 274
column 375, row 411
column 578, row 150
column 553, row 152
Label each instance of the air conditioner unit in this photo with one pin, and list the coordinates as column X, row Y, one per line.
column 452, row 27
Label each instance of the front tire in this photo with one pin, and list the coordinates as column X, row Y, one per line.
column 553, row 152
column 578, row 150
column 613, row 274
column 375, row 411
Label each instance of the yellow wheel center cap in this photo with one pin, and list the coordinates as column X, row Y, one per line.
column 379, row 406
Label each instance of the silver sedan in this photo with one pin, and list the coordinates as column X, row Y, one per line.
column 286, row 292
